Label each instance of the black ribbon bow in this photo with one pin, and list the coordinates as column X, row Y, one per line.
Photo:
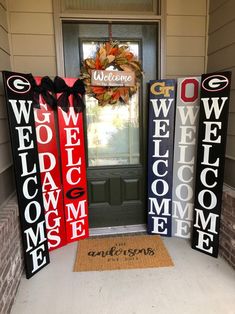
column 45, row 89
column 77, row 90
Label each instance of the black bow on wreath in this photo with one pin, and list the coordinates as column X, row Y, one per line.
column 45, row 89
column 77, row 90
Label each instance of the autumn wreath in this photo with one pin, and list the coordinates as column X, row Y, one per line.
column 116, row 55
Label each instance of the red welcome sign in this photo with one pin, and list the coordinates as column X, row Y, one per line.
column 50, row 174
column 73, row 165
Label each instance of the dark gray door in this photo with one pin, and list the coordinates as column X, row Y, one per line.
column 116, row 136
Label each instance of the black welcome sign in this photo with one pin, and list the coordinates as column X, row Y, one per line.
column 19, row 95
column 213, row 120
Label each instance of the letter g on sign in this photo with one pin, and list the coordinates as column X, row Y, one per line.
column 18, row 84
column 75, row 193
column 215, row 83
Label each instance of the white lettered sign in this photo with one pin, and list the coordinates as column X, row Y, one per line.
column 186, row 127
column 212, row 131
column 160, row 156
column 19, row 97
column 112, row 78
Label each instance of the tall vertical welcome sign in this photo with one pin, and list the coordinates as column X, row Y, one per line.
column 28, row 184
column 160, row 156
column 213, row 122
column 186, row 126
column 50, row 173
column 73, row 167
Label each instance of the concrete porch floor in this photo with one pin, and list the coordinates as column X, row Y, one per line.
column 196, row 284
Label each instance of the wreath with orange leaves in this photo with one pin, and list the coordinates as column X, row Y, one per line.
column 120, row 57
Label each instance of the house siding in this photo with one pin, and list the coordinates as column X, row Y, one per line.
column 221, row 51
column 32, row 37
column 186, row 29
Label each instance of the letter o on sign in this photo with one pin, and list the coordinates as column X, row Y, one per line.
column 210, row 197
column 160, row 187
column 32, row 212
column 185, row 87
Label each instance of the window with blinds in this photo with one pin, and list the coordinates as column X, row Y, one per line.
column 129, row 7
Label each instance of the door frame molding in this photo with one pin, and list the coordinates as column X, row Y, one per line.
column 59, row 18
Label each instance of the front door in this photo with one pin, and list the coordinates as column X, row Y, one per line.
column 116, row 135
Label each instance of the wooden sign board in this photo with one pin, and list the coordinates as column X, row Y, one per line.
column 213, row 120
column 160, row 156
column 19, row 96
column 112, row 78
column 186, row 126
column 48, row 154
column 73, row 164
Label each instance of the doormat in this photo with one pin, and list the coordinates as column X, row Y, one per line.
column 123, row 252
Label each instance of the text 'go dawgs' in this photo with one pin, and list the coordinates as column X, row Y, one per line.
column 50, row 172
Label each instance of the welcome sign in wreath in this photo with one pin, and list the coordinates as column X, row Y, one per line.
column 113, row 74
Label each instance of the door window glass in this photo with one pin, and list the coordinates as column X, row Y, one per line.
column 112, row 130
